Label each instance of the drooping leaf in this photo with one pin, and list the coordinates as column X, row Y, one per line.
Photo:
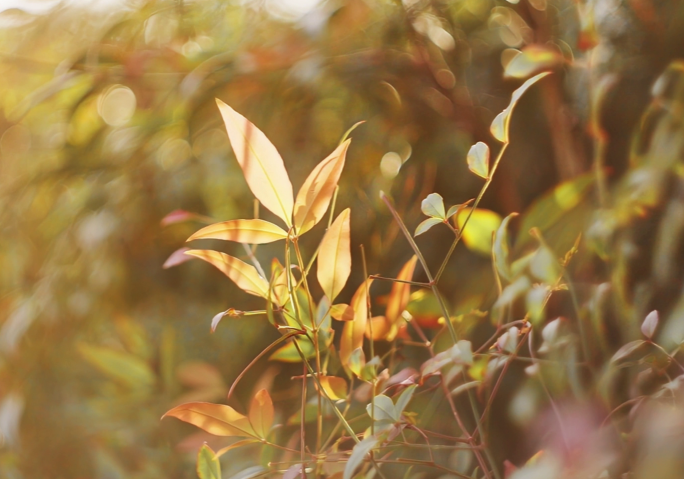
column 626, row 350
column 315, row 194
column 353, row 332
column 261, row 413
column 650, row 324
column 478, row 159
column 243, row 231
column 477, row 234
column 121, row 366
column 334, row 257
column 245, row 276
column 208, row 465
column 261, row 163
column 400, row 293
column 533, row 59
column 216, row 419
column 176, row 258
column 358, row 454
column 501, row 250
column 433, row 206
column 334, row 387
column 425, row 225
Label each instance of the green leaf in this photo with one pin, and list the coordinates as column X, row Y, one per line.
column 404, row 399
column 289, row 353
column 121, row 366
column 477, row 234
column 208, row 465
column 544, row 266
column 426, row 225
column 478, row 159
column 383, row 409
column 358, row 455
column 433, row 206
column 501, row 250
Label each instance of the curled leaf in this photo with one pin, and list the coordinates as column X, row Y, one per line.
column 243, row 231
column 478, row 159
column 315, row 194
column 216, row 419
column 334, row 257
column 261, row 163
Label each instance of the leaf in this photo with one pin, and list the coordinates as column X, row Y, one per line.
column 216, row 419
column 383, row 409
column 464, row 387
column 353, row 332
column 501, row 250
column 334, row 387
column 533, row 59
column 293, row 472
column 178, row 216
column 401, row 292
column 378, row 328
column 404, row 399
column 456, row 209
column 425, row 225
column 334, row 257
column 544, row 266
column 358, row 454
column 208, row 465
column 477, row 234
column 342, row 312
column 478, row 159
column 121, row 366
column 626, row 350
column 245, row 276
column 289, row 353
column 176, row 258
column 357, row 361
column 235, row 445
column 242, row 231
column 261, row 413
column 261, row 163
column 650, row 324
column 315, row 194
column 433, row 206
column 499, row 128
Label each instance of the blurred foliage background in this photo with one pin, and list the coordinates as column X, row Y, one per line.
column 108, row 124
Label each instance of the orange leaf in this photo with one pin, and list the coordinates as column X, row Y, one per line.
column 245, row 276
column 353, row 332
column 334, row 387
column 242, row 231
column 334, row 257
column 399, row 295
column 381, row 328
column 261, row 413
column 342, row 312
column 315, row 194
column 216, row 419
column 261, row 163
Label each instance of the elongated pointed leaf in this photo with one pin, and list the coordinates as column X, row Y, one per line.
column 242, row 231
column 433, row 206
column 261, row 163
column 315, row 194
column 245, row 276
column 650, row 324
column 478, row 159
column 353, row 332
column 533, row 59
column 334, row 257
column 176, row 258
column 261, row 413
column 334, row 387
column 358, row 454
column 208, row 465
column 627, row 350
column 400, row 293
column 216, row 419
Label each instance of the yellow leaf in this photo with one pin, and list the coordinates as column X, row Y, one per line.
column 477, row 234
column 334, row 257
column 260, row 162
column 315, row 194
column 216, row 419
column 399, row 295
column 353, row 332
column 242, row 231
column 120, row 366
column 261, row 413
column 334, row 387
column 379, row 328
column 533, row 59
column 245, row 276
column 342, row 312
